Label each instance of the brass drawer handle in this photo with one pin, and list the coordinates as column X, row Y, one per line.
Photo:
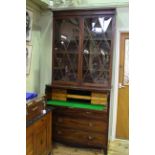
column 35, row 108
column 90, row 138
column 60, row 120
column 88, row 112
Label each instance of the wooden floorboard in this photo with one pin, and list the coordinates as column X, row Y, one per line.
column 117, row 147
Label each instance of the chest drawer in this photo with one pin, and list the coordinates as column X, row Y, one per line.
column 81, row 124
column 34, row 109
column 79, row 137
column 81, row 113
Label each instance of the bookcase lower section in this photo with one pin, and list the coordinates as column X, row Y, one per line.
column 81, row 127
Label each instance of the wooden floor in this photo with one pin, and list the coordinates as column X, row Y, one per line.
column 117, row 147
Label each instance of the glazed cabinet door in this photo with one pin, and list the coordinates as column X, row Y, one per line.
column 65, row 50
column 82, row 48
column 97, row 47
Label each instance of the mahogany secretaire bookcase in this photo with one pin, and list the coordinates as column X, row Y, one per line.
column 81, row 76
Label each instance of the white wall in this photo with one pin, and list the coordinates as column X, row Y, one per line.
column 40, row 70
column 45, row 49
column 33, row 79
column 122, row 25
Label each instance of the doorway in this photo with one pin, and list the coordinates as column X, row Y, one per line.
column 122, row 126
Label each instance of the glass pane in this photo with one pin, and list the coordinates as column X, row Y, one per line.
column 96, row 49
column 66, row 49
column 126, row 63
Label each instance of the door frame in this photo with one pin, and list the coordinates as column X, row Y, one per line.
column 115, row 82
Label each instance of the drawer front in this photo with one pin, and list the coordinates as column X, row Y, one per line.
column 42, row 122
column 81, row 124
column 30, row 150
column 34, row 110
column 83, row 113
column 41, row 140
column 79, row 137
column 29, row 145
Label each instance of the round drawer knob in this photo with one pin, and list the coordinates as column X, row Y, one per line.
column 59, row 132
column 90, row 124
column 60, row 120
